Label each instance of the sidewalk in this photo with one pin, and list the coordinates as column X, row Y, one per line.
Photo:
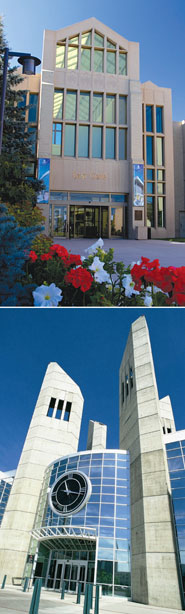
column 129, row 251
column 14, row 601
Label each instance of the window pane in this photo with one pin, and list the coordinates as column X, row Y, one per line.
column 122, row 109
column 160, row 188
column 97, row 107
column 70, row 139
column 98, row 61
column 149, row 150
column 85, row 59
column 72, row 60
column 159, row 119
column 57, row 139
column 98, row 40
column 122, row 63
column 150, row 174
column 71, row 105
column 150, row 188
column 150, row 211
column 122, row 144
column 110, row 45
column 149, row 118
column 60, row 56
column 84, row 106
column 22, row 103
column 110, row 143
column 160, row 160
column 86, row 38
column 97, row 142
column 32, row 131
column 33, row 107
column 111, row 62
column 110, row 109
column 74, row 40
column 161, row 212
column 58, row 104
column 83, row 142
column 160, row 175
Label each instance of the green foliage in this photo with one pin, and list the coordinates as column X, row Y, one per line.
column 41, row 244
column 26, row 215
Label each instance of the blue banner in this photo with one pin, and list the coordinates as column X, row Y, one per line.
column 44, row 174
column 138, row 173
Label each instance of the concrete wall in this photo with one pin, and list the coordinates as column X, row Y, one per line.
column 179, row 173
column 166, row 414
column 154, row 567
column 97, row 436
column 47, row 439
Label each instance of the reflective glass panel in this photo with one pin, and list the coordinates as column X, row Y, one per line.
column 70, row 140
column 71, row 105
column 84, row 106
column 150, row 174
column 106, row 542
column 110, row 143
column 118, row 198
column 107, row 531
column 179, row 508
column 98, row 40
column 149, row 150
column 110, row 109
column 85, row 59
column 111, row 62
column 33, row 108
column 159, row 119
column 73, row 40
column 122, row 109
column 105, row 554
column 57, row 139
column 110, row 45
column 175, row 463
column 86, row 38
column 149, row 118
column 60, row 56
column 107, row 510
column 150, row 211
column 179, row 493
column 97, row 107
column 60, row 221
column 122, row 63
column 95, row 471
column 150, row 188
column 175, row 452
column 97, row 142
column 32, row 131
column 58, row 104
column 173, row 444
column 161, row 211
column 98, row 60
column 72, row 59
column 160, row 161
column 83, row 142
column 108, row 471
column 160, row 177
column 160, row 188
column 122, row 144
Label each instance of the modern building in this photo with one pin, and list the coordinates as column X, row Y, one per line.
column 102, row 141
column 113, row 517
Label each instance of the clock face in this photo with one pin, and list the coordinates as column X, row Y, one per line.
column 70, row 493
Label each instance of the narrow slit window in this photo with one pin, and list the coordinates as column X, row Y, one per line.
column 169, row 430
column 131, row 378
column 59, row 410
column 123, row 392
column 164, row 430
column 126, row 385
column 51, row 407
column 67, row 411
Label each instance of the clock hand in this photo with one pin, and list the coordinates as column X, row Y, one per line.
column 67, row 491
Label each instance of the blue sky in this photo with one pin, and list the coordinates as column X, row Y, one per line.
column 88, row 344
column 159, row 27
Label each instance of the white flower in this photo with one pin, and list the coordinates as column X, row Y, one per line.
column 133, row 263
column 92, row 249
column 47, row 296
column 148, row 297
column 100, row 274
column 128, row 284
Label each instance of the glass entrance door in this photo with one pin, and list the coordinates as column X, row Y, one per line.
column 117, row 221
column 60, row 221
column 71, row 572
column 88, row 222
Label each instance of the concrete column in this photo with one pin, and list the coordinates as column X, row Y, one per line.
column 97, row 436
column 47, row 439
column 154, row 566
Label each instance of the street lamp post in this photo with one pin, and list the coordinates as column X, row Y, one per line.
column 29, row 64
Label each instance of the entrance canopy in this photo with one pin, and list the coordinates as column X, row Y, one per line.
column 66, row 537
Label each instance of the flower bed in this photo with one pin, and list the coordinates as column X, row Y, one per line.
column 65, row 279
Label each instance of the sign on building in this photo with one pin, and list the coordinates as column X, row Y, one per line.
column 44, row 174
column 138, row 177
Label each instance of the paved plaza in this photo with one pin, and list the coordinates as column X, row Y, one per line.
column 167, row 252
column 13, row 600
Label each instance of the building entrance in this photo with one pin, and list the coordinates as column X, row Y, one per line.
column 88, row 222
column 71, row 572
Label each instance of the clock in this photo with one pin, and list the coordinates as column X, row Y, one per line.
column 70, row 493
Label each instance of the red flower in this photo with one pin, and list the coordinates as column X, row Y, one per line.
column 79, row 278
column 46, row 256
column 59, row 250
column 33, row 256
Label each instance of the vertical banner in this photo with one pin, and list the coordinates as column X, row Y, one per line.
column 138, row 177
column 44, row 174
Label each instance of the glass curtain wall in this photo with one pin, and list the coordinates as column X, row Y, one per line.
column 107, row 511
column 176, row 465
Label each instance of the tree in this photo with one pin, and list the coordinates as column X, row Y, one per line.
column 15, row 186
column 15, row 244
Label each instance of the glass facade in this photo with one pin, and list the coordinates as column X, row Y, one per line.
column 79, row 54
column 5, row 489
column 106, row 515
column 176, row 465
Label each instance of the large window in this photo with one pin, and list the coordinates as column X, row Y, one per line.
column 160, row 151
column 83, row 142
column 98, row 60
column 60, row 55
column 122, row 144
column 33, row 108
column 58, row 104
column 97, row 108
column 159, row 119
column 72, row 59
column 111, row 57
column 70, row 140
column 84, row 106
column 107, row 55
column 57, row 139
column 122, row 110
column 110, row 143
column 150, row 212
column 71, row 105
column 97, row 142
column 161, row 211
column 122, row 63
column 111, row 109
column 149, row 118
column 149, row 150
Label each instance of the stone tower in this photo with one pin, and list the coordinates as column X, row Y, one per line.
column 154, row 567
column 53, row 432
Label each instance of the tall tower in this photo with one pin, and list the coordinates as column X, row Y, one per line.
column 154, row 567
column 53, row 432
